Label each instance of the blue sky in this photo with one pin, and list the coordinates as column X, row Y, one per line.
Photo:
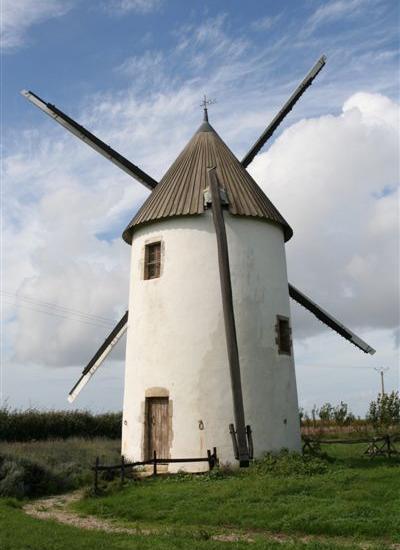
column 134, row 72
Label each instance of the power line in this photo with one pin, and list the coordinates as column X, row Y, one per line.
column 343, row 367
column 68, row 317
column 24, row 297
column 56, row 307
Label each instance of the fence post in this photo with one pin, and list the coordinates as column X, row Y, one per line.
column 389, row 450
column 210, row 460
column 155, row 463
column 122, row 469
column 216, row 461
column 96, row 480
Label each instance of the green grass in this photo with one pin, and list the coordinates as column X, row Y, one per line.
column 55, row 465
column 21, row 532
column 343, row 501
column 348, row 495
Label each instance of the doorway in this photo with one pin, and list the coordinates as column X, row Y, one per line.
column 157, row 427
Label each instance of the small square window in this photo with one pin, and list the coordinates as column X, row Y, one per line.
column 283, row 335
column 152, row 261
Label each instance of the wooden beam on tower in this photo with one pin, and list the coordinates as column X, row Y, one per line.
column 229, row 318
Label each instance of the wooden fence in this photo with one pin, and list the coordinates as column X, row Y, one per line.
column 377, row 446
column 211, row 458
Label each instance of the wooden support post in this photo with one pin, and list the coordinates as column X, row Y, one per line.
column 122, row 469
column 249, row 434
column 96, row 475
column 234, row 441
column 155, row 463
column 216, row 461
column 389, row 445
column 229, row 318
column 210, row 459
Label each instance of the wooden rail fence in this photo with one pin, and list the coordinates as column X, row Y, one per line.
column 377, row 446
column 123, row 466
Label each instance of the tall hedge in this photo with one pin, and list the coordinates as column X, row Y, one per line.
column 16, row 425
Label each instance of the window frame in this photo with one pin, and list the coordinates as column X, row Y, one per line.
column 149, row 264
column 278, row 339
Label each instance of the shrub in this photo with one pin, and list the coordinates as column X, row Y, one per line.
column 62, row 464
column 326, row 412
column 22, row 478
column 291, row 464
column 342, row 416
column 385, row 411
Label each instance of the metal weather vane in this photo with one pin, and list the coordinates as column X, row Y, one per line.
column 204, row 104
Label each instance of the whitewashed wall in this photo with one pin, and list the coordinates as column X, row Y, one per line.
column 176, row 339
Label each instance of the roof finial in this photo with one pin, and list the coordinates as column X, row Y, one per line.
column 204, row 104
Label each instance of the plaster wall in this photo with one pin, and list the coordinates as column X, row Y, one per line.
column 176, row 339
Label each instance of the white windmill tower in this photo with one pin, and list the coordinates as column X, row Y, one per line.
column 209, row 359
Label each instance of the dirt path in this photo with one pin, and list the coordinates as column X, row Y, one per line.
column 57, row 508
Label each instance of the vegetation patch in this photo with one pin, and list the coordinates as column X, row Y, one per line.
column 347, row 494
column 32, row 424
column 39, row 468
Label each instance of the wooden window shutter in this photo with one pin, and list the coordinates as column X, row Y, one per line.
column 283, row 335
column 152, row 260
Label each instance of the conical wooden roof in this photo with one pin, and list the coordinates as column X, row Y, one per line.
column 181, row 190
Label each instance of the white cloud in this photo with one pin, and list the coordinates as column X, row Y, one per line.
column 147, row 69
column 138, row 6
column 333, row 179
column 17, row 16
column 266, row 23
column 334, row 10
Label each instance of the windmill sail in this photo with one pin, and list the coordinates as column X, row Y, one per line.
column 91, row 140
column 329, row 320
column 290, row 103
column 104, row 350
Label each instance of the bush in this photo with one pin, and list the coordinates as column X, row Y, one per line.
column 53, row 466
column 385, row 411
column 291, row 464
column 326, row 412
column 40, row 425
column 22, row 478
column 328, row 416
column 342, row 416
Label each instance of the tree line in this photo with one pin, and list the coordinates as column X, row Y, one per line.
column 32, row 424
column 382, row 412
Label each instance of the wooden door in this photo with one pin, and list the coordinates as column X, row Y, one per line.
column 157, row 427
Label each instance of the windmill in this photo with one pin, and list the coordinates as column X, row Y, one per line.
column 206, row 232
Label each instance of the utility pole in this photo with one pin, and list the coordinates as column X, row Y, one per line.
column 382, row 370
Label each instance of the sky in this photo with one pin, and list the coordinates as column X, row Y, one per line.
column 134, row 73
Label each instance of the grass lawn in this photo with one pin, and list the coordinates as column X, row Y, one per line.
column 21, row 532
column 343, row 501
column 347, row 495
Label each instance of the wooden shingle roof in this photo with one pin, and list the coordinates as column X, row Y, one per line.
column 181, row 190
